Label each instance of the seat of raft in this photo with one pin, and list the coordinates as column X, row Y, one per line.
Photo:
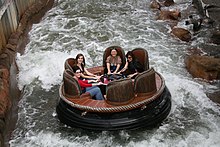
column 114, row 104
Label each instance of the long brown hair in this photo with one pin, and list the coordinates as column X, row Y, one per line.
column 81, row 55
column 131, row 54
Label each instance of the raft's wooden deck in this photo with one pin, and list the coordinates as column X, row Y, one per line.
column 87, row 101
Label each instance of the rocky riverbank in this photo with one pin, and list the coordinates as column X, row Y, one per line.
column 205, row 64
column 202, row 62
column 8, row 86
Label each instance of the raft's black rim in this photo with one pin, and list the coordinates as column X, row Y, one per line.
column 154, row 114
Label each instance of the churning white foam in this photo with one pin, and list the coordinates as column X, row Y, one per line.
column 44, row 66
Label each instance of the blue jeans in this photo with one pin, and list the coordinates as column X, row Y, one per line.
column 113, row 68
column 95, row 91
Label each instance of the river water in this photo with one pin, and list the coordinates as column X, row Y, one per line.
column 88, row 27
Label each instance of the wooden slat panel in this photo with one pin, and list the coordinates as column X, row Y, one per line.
column 3, row 9
column 21, row 7
column 85, row 102
column 9, row 22
column 6, row 26
column 93, row 103
column 13, row 17
column 101, row 104
column 11, row 12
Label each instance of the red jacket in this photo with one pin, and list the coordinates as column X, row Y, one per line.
column 84, row 83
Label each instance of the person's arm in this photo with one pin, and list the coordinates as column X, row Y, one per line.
column 108, row 68
column 92, row 81
column 118, row 64
column 89, row 73
column 131, row 75
column 89, row 77
column 85, row 76
column 117, row 68
column 108, row 64
column 125, row 67
column 84, row 83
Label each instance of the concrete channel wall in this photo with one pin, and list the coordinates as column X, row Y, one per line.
column 11, row 12
column 16, row 20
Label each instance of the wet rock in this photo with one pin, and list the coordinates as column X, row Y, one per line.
column 168, row 3
column 195, row 51
column 196, row 23
column 204, row 67
column 155, row 5
column 215, row 96
column 2, row 125
column 212, row 50
column 1, row 140
column 2, row 56
column 215, row 38
column 158, row 4
column 182, row 34
column 169, row 15
column 13, row 41
column 15, row 36
column 11, row 57
column 11, row 47
column 4, row 60
column 1, row 45
column 5, row 103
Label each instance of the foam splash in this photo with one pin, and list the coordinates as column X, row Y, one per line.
column 43, row 66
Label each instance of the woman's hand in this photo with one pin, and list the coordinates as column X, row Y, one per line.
column 96, row 84
column 131, row 75
column 100, row 83
column 92, row 81
column 98, row 77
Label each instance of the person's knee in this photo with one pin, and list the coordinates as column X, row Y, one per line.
column 97, row 88
column 99, row 97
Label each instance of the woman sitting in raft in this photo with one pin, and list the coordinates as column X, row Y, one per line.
column 132, row 66
column 87, row 85
column 113, row 62
column 85, row 74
